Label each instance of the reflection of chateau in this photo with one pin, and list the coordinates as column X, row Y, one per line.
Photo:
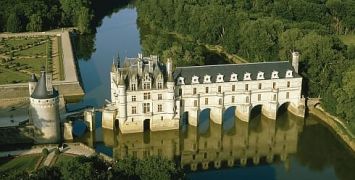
column 215, row 148
column 146, row 94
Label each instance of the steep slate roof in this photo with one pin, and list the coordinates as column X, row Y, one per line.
column 40, row 91
column 33, row 78
column 228, row 69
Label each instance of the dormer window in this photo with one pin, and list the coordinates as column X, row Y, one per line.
column 275, row 75
column 234, row 77
column 207, row 79
column 289, row 74
column 219, row 78
column 260, row 76
column 180, row 81
column 247, row 76
column 194, row 80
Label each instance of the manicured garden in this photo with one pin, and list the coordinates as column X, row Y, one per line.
column 22, row 56
column 21, row 163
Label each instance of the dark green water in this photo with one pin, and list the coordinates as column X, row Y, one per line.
column 287, row 148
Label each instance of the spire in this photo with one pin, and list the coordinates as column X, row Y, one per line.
column 40, row 91
column 113, row 67
column 169, row 70
column 33, row 78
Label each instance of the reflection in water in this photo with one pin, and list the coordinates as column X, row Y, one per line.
column 214, row 147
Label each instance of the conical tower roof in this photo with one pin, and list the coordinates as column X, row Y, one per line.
column 40, row 91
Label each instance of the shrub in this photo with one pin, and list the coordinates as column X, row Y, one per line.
column 45, row 151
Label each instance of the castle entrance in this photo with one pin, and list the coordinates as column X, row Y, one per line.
column 146, row 125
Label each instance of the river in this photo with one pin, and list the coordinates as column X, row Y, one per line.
column 287, row 148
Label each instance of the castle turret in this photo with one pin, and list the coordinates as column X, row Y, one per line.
column 170, row 85
column 121, row 99
column 44, row 112
column 32, row 84
column 295, row 60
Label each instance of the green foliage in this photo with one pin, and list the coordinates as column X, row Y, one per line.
column 155, row 167
column 13, row 23
column 45, row 151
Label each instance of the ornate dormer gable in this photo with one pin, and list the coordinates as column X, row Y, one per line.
column 247, row 76
column 207, row 79
column 260, row 75
column 219, row 78
column 146, row 81
column 180, row 81
column 146, row 77
column 194, row 80
column 133, row 83
column 274, row 75
column 289, row 74
column 234, row 77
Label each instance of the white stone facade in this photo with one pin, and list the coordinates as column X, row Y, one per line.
column 144, row 93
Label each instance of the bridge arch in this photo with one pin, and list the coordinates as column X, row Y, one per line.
column 228, row 118
column 204, row 121
column 255, row 118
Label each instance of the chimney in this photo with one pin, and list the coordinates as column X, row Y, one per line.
column 150, row 64
column 139, row 66
column 295, row 60
column 169, row 69
column 140, row 55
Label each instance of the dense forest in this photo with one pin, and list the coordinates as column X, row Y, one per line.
column 40, row 15
column 262, row 30
column 82, row 167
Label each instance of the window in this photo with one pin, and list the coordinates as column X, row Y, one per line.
column 146, row 85
column 259, row 85
column 133, row 87
column 206, row 101
column 160, row 85
column 195, row 103
column 194, row 91
column 146, row 96
column 274, row 85
column 180, row 92
column 194, row 80
column 219, row 89
column 274, row 99
column 233, row 87
column 260, row 75
column 287, row 95
column 134, row 98
column 220, row 101
column 234, row 77
column 146, row 107
column 275, row 75
column 247, row 76
column 134, row 110
column 259, row 97
column 288, row 84
column 160, row 96
column 161, row 118
column 246, row 87
column 233, row 99
column 247, row 99
column 206, row 90
column 207, row 79
column 160, row 108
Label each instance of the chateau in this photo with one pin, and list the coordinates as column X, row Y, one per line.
column 147, row 94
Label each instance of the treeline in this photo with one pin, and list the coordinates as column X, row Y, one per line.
column 41, row 15
column 264, row 30
column 82, row 167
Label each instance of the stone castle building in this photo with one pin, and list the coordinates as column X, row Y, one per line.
column 147, row 94
column 44, row 109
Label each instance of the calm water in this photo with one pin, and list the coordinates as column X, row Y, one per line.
column 263, row 149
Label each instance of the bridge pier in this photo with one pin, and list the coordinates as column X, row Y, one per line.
column 108, row 118
column 269, row 110
column 242, row 112
column 216, row 115
column 89, row 119
column 193, row 116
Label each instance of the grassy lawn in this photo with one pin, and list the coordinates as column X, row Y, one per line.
column 9, row 76
column 35, row 64
column 36, row 50
column 20, row 163
column 348, row 39
column 15, row 42
column 63, row 158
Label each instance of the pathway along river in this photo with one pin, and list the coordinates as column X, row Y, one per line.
column 263, row 149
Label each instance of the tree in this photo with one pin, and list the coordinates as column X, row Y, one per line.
column 84, row 18
column 13, row 23
column 35, row 24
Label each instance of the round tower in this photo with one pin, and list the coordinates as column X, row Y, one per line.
column 295, row 60
column 170, row 85
column 121, row 98
column 32, row 84
column 44, row 112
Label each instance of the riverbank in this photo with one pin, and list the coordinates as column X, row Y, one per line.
column 335, row 125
